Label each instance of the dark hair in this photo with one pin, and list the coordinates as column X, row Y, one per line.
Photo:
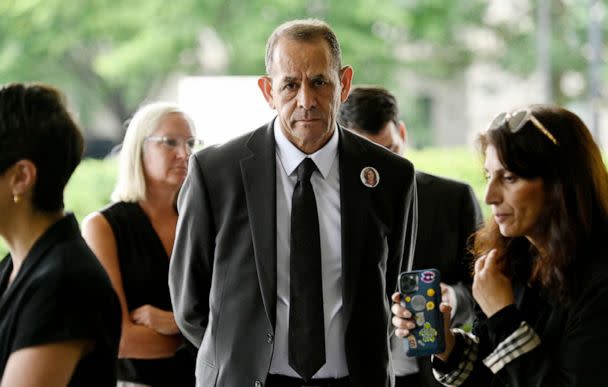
column 368, row 109
column 308, row 30
column 35, row 125
column 576, row 209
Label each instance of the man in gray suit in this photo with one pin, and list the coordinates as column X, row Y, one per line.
column 234, row 291
column 448, row 213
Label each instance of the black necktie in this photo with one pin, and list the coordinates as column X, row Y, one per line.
column 306, row 327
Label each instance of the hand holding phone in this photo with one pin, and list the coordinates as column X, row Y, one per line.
column 421, row 295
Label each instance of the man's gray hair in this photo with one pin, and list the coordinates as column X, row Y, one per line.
column 305, row 30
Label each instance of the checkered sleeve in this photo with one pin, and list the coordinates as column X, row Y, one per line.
column 520, row 342
column 462, row 371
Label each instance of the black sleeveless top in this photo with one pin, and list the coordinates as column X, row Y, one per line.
column 144, row 268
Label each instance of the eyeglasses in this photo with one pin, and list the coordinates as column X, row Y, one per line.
column 518, row 119
column 174, row 142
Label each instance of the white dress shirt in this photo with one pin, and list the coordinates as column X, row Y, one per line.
column 326, row 185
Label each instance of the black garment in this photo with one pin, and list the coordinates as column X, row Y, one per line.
column 573, row 337
column 448, row 213
column 60, row 294
column 144, row 268
column 411, row 380
column 306, row 321
column 274, row 380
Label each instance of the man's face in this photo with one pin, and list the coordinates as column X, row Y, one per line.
column 390, row 136
column 306, row 90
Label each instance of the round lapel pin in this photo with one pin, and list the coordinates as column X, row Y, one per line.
column 369, row 177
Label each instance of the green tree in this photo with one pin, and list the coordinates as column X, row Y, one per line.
column 111, row 55
column 568, row 40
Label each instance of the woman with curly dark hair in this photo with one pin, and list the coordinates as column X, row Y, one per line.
column 541, row 273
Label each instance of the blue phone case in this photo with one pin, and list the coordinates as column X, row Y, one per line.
column 423, row 299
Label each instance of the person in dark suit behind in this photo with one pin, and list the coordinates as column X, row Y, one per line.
column 448, row 214
column 278, row 220
column 59, row 316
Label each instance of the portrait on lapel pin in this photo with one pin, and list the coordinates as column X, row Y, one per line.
column 370, row 177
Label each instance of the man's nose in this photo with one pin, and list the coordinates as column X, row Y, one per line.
column 306, row 97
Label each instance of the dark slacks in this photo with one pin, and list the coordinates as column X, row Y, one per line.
column 286, row 381
column 412, row 380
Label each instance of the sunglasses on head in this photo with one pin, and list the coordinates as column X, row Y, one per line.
column 516, row 120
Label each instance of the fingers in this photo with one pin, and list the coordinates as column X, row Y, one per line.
column 396, row 297
column 401, row 323
column 449, row 335
column 446, row 310
column 479, row 264
column 397, row 308
column 400, row 311
column 142, row 315
column 491, row 260
column 137, row 318
column 136, row 314
column 486, row 262
column 142, row 309
column 402, row 326
column 447, row 294
column 401, row 316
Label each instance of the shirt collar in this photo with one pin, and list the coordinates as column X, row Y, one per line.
column 290, row 156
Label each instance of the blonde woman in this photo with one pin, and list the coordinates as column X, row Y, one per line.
column 133, row 239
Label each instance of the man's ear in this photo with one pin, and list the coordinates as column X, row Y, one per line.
column 23, row 177
column 403, row 132
column 265, row 85
column 346, row 77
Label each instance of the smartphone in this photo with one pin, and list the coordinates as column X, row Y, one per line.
column 421, row 295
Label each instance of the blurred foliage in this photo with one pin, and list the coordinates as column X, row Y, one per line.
column 569, row 41
column 463, row 164
column 112, row 55
column 90, row 187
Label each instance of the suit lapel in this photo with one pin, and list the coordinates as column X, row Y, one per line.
column 426, row 219
column 354, row 202
column 259, row 180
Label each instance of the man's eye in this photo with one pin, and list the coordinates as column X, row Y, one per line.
column 319, row 82
column 191, row 142
column 289, row 86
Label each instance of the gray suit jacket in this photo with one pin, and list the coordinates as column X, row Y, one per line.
column 223, row 268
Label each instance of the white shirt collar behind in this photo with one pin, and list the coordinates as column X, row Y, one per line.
column 290, row 156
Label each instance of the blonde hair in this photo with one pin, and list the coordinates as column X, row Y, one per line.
column 131, row 184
